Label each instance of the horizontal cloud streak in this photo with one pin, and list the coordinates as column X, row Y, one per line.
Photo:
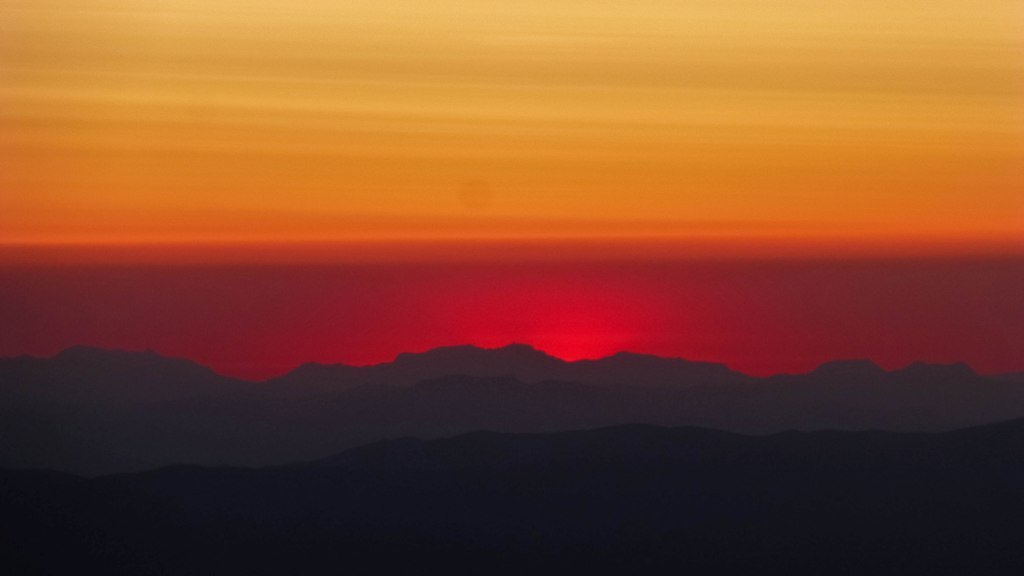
column 872, row 119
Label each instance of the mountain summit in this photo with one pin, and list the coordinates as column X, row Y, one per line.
column 96, row 411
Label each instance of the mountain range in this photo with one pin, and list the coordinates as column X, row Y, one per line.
column 632, row 498
column 92, row 411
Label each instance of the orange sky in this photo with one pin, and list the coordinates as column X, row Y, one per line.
column 783, row 126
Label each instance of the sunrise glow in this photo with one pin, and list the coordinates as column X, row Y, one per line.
column 257, row 184
column 721, row 125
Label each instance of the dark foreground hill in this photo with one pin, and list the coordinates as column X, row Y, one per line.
column 642, row 498
column 95, row 411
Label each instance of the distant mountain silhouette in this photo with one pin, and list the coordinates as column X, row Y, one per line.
column 523, row 362
column 638, row 498
column 110, row 377
column 97, row 411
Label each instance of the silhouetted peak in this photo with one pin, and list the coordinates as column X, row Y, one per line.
column 119, row 359
column 626, row 358
column 649, row 369
column 92, row 353
column 853, row 368
column 519, row 348
column 516, row 352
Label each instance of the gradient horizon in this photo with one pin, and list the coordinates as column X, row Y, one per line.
column 255, row 184
column 759, row 317
column 879, row 124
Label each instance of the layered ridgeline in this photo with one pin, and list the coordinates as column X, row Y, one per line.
column 95, row 411
column 638, row 497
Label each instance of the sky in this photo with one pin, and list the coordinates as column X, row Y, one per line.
column 175, row 121
column 633, row 153
column 761, row 317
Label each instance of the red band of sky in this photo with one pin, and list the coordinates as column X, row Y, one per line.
column 767, row 184
column 758, row 316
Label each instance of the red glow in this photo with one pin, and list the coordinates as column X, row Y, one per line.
column 760, row 317
column 568, row 316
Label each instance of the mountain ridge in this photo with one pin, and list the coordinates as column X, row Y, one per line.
column 632, row 496
column 94, row 411
column 82, row 351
